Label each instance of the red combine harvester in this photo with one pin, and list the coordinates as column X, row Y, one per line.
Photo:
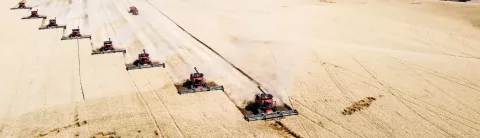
column 34, row 15
column 133, row 10
column 265, row 108
column 198, row 84
column 76, row 35
column 107, row 48
column 52, row 24
column 144, row 61
column 21, row 5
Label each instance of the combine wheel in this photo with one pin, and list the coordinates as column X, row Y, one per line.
column 259, row 111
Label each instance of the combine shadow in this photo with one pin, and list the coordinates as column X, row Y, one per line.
column 251, row 108
column 185, row 85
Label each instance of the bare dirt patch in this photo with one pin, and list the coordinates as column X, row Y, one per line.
column 105, row 135
column 96, row 50
column 359, row 105
column 284, row 130
column 76, row 123
column 128, row 65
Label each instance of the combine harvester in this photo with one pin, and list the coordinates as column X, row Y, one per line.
column 52, row 24
column 133, row 10
column 198, row 84
column 76, row 35
column 265, row 108
column 144, row 61
column 107, row 48
column 21, row 5
column 34, row 15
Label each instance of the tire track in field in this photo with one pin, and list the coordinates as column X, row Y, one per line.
column 436, row 86
column 138, row 93
column 319, row 123
column 79, row 58
column 329, row 119
column 389, row 88
column 442, row 110
column 303, row 126
column 311, row 120
column 166, row 109
column 441, row 52
column 386, row 129
column 465, row 118
column 464, row 42
column 347, row 93
column 79, row 71
column 144, row 103
column 448, row 78
column 436, row 113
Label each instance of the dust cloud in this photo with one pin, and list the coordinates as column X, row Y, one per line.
column 280, row 62
column 285, row 63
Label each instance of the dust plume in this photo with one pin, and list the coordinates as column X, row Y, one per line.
column 38, row 3
column 286, row 62
column 161, row 53
column 280, row 63
column 77, row 10
column 103, row 20
column 56, row 10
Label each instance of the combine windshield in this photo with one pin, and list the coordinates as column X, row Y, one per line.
column 267, row 105
column 197, row 82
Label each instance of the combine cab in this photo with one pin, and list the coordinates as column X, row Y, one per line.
column 21, row 5
column 265, row 108
column 143, row 61
column 76, row 35
column 52, row 24
column 107, row 48
column 133, row 10
column 198, row 84
column 34, row 15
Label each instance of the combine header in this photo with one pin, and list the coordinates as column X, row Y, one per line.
column 52, row 24
column 143, row 61
column 34, row 15
column 265, row 108
column 107, row 48
column 133, row 10
column 198, row 84
column 21, row 5
column 76, row 35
